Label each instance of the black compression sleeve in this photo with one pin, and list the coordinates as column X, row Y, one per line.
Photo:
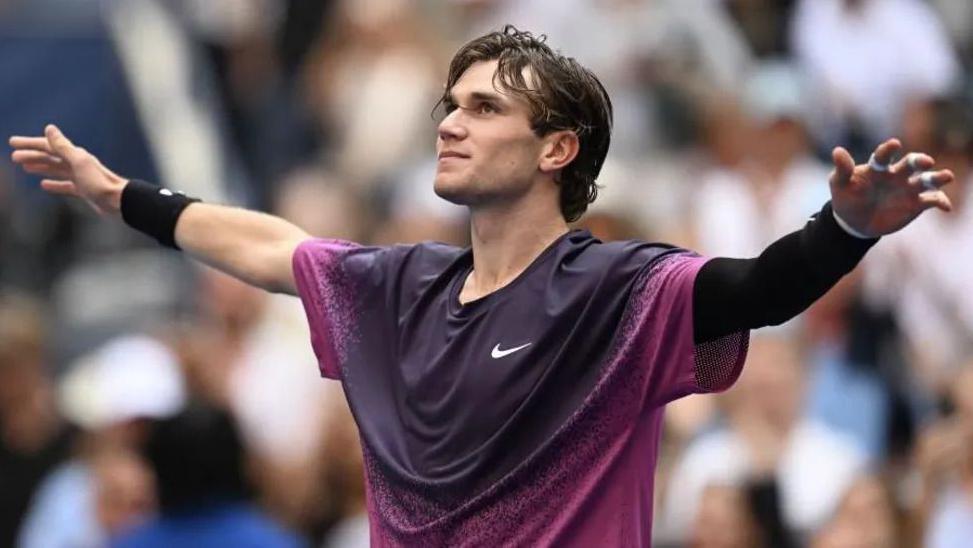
column 731, row 295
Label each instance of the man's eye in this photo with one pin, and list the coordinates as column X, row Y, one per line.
column 486, row 108
column 449, row 107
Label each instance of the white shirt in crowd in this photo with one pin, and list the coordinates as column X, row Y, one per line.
column 872, row 59
column 817, row 466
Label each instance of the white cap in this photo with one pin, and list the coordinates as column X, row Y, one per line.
column 130, row 377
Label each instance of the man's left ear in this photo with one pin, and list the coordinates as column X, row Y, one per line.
column 560, row 149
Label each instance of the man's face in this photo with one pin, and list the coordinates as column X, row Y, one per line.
column 487, row 152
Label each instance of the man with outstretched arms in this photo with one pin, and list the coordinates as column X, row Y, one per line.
column 511, row 393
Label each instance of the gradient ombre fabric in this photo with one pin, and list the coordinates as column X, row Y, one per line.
column 530, row 417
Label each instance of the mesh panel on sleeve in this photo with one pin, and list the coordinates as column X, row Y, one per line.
column 718, row 362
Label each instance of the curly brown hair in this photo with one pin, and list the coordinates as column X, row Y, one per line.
column 563, row 95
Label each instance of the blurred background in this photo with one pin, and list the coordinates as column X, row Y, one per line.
column 138, row 388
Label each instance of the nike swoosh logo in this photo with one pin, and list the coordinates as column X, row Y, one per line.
column 496, row 353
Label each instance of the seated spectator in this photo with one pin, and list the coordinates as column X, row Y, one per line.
column 33, row 436
column 199, row 464
column 766, row 437
column 102, row 490
column 864, row 71
column 777, row 183
column 925, row 292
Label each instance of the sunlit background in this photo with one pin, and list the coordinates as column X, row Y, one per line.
column 133, row 381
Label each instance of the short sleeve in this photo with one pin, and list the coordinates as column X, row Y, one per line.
column 355, row 296
column 325, row 292
column 664, row 332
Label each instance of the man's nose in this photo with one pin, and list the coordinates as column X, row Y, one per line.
column 452, row 127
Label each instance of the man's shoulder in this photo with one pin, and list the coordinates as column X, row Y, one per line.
column 592, row 267
column 422, row 256
column 616, row 253
column 428, row 249
column 385, row 254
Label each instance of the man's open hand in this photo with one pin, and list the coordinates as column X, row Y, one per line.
column 881, row 197
column 69, row 170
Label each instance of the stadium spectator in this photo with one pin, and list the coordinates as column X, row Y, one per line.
column 108, row 394
column 775, row 186
column 855, row 54
column 766, row 435
column 33, row 436
column 926, row 294
column 199, row 463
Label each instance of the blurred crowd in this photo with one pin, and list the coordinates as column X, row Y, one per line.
column 146, row 399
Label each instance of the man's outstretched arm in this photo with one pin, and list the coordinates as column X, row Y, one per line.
column 867, row 202
column 254, row 247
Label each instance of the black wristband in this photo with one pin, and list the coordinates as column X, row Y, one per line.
column 153, row 210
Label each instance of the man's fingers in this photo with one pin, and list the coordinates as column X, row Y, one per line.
column 886, row 151
column 54, row 143
column 34, row 156
column 937, row 199
column 931, row 180
column 844, row 166
column 914, row 162
column 56, row 186
column 42, row 163
column 30, row 143
column 46, row 170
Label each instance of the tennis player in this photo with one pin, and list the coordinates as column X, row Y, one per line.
column 511, row 394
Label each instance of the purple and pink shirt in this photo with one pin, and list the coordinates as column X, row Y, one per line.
column 529, row 417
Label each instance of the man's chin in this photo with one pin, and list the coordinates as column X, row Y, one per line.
column 451, row 192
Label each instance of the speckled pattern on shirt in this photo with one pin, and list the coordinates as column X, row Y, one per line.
column 586, row 479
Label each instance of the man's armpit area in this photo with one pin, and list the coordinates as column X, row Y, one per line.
column 718, row 363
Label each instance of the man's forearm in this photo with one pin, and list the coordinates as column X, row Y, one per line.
column 735, row 294
column 252, row 246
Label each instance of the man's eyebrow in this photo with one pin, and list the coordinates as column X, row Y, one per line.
column 479, row 96
column 486, row 96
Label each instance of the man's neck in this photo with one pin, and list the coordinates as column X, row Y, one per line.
column 505, row 242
